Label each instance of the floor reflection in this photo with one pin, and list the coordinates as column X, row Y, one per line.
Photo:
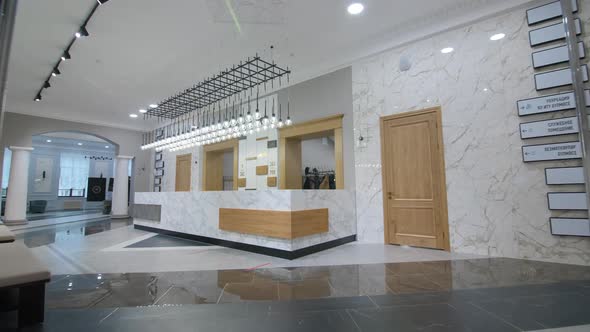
column 304, row 283
column 70, row 232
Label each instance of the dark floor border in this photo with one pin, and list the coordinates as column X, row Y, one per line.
column 253, row 248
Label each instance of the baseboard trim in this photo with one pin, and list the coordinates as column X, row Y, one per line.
column 253, row 248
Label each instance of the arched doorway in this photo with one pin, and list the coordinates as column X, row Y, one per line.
column 69, row 172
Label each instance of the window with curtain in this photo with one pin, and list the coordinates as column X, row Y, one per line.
column 73, row 175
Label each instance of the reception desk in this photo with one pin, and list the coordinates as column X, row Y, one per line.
column 281, row 223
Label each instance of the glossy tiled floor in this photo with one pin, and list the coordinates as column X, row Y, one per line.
column 390, row 289
column 464, row 295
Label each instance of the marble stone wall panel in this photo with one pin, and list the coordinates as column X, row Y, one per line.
column 497, row 203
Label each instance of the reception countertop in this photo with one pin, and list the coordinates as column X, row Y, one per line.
column 197, row 214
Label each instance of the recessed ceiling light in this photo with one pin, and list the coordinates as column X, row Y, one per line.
column 106, row 146
column 80, row 143
column 48, row 141
column 142, row 111
column 153, row 105
column 447, row 50
column 78, row 35
column 497, row 36
column 355, row 8
column 132, row 115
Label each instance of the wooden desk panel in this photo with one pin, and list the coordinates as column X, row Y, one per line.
column 279, row 224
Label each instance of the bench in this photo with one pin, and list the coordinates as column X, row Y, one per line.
column 6, row 235
column 22, row 271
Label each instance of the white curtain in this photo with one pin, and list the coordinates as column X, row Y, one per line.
column 73, row 171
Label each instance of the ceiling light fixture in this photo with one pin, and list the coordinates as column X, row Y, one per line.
column 80, row 144
column 356, row 8
column 66, row 56
column 447, row 50
column 82, row 33
column 106, row 146
column 497, row 36
column 142, row 111
column 132, row 115
column 48, row 141
column 153, row 105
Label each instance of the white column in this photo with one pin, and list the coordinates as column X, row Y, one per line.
column 120, row 209
column 18, row 185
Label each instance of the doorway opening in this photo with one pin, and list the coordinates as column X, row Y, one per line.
column 414, row 186
column 220, row 166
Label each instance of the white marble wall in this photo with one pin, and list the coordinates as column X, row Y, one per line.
column 198, row 213
column 497, row 203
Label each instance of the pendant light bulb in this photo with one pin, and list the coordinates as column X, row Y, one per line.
column 288, row 122
column 257, row 114
column 248, row 117
column 280, row 123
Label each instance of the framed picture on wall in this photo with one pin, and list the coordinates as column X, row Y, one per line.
column 159, row 164
column 159, row 172
column 159, row 156
column 157, row 181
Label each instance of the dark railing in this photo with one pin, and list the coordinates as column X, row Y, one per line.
column 71, row 192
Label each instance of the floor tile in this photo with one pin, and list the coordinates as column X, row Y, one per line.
column 166, row 241
column 430, row 317
column 536, row 312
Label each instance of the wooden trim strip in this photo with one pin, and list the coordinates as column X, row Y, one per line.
column 277, row 224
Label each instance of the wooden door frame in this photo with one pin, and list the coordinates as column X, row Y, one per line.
column 190, row 171
column 442, row 174
column 313, row 129
column 222, row 146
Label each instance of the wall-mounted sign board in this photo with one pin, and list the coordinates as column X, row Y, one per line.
column 551, row 103
column 551, row 33
column 564, row 175
column 553, row 127
column 567, row 201
column 557, row 78
column 547, row 152
column 555, row 55
column 570, row 226
column 547, row 12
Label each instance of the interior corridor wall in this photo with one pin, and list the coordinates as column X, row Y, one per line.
column 497, row 203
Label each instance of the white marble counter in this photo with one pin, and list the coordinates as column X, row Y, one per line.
column 197, row 213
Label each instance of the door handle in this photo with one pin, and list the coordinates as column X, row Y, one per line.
column 390, row 195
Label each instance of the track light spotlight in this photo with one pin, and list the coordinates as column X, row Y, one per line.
column 82, row 32
column 55, row 72
column 38, row 97
column 46, row 85
column 66, row 56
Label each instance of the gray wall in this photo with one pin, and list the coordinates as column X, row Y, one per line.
column 19, row 130
column 326, row 95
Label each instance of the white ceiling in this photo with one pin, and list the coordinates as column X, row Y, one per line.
column 142, row 51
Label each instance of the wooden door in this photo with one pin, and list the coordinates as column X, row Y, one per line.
column 183, row 172
column 414, row 187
